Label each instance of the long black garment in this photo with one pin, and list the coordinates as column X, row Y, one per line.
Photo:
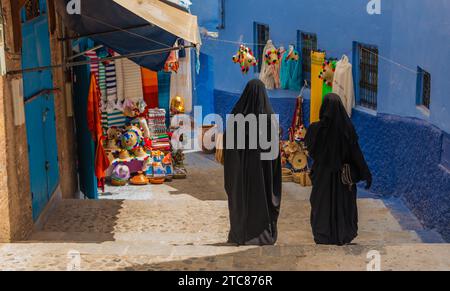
column 332, row 142
column 253, row 185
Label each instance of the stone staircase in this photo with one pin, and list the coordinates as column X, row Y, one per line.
column 183, row 226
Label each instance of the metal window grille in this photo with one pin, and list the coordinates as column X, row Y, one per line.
column 221, row 14
column 426, row 89
column 308, row 44
column 262, row 35
column 368, row 76
column 32, row 9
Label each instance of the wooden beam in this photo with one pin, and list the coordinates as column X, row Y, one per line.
column 16, row 5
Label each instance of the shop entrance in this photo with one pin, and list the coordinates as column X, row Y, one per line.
column 39, row 108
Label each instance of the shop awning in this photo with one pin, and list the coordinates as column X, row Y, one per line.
column 132, row 26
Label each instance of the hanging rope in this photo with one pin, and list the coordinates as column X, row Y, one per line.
column 404, row 67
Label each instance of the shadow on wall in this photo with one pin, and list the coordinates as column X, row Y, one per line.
column 407, row 156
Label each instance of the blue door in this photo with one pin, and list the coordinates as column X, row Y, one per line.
column 85, row 144
column 39, row 111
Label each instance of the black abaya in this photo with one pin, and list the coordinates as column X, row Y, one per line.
column 253, row 185
column 332, row 142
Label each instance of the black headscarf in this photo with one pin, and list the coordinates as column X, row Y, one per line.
column 253, row 185
column 254, row 100
column 329, row 140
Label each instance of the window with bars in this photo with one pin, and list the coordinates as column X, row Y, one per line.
column 262, row 35
column 368, row 76
column 308, row 43
column 423, row 88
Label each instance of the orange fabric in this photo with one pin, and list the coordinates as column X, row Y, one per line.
column 95, row 127
column 150, row 88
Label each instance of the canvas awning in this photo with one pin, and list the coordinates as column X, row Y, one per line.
column 133, row 26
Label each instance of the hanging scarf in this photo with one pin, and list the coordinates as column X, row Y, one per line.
column 290, row 73
column 94, row 125
column 317, row 59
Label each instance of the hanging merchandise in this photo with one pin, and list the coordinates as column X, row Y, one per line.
column 270, row 70
column 132, row 80
column 120, row 83
column 181, row 82
column 164, row 93
column 327, row 76
column 94, row 125
column 297, row 132
column 150, row 88
column 177, row 106
column 245, row 59
column 290, row 73
column 343, row 84
column 92, row 55
column 317, row 60
column 172, row 64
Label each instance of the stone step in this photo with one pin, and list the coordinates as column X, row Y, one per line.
column 138, row 256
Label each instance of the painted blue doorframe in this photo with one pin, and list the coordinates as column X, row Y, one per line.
column 40, row 113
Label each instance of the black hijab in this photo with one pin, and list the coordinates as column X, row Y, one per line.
column 329, row 140
column 254, row 100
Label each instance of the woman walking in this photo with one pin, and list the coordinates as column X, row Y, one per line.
column 253, row 185
column 338, row 165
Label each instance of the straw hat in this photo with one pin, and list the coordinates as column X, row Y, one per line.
column 140, row 153
column 299, row 161
column 139, row 180
column 124, row 155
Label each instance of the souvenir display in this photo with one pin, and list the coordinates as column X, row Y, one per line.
column 168, row 167
column 139, row 180
column 120, row 175
column 317, row 60
column 132, row 138
column 177, row 106
column 343, row 84
column 327, row 75
column 245, row 59
column 270, row 69
column 290, row 72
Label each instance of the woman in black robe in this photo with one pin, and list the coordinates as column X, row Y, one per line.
column 338, row 165
column 253, row 185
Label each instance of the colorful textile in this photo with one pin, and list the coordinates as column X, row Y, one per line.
column 92, row 55
column 94, row 125
column 343, row 84
column 120, row 82
column 270, row 69
column 317, row 59
column 290, row 72
column 181, row 82
column 150, row 88
column 102, row 80
column 111, row 82
column 164, row 93
column 116, row 119
column 132, row 81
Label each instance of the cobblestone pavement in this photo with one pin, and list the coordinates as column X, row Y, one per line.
column 183, row 226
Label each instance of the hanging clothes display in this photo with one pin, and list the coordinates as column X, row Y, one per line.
column 181, row 82
column 164, row 93
column 120, row 83
column 317, row 60
column 290, row 73
column 150, row 88
column 132, row 81
column 343, row 84
column 270, row 69
column 327, row 75
column 92, row 55
column 94, row 125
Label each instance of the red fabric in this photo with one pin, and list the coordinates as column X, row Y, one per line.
column 95, row 127
column 150, row 88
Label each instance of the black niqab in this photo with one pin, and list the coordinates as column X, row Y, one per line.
column 332, row 142
column 253, row 185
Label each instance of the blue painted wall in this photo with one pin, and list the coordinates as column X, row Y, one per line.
column 407, row 148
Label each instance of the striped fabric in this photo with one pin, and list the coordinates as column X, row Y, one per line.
column 116, row 119
column 94, row 65
column 132, row 81
column 102, row 80
column 104, row 120
column 111, row 82
column 120, row 83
